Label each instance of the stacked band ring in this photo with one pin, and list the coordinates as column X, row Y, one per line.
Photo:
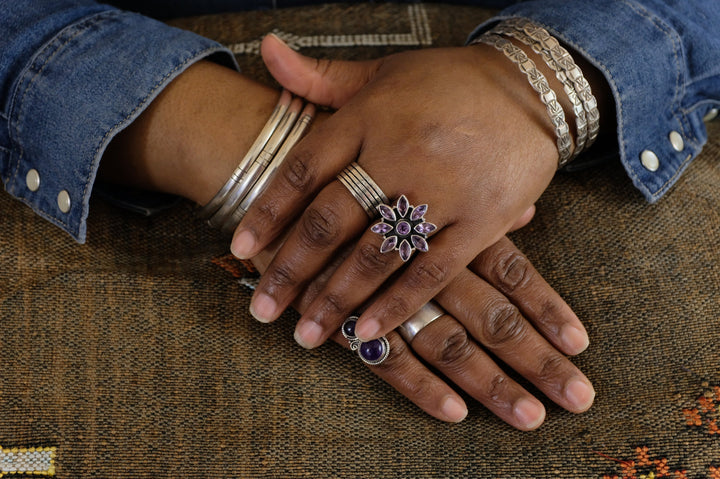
column 363, row 188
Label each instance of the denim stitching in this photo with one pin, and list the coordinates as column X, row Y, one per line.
column 80, row 27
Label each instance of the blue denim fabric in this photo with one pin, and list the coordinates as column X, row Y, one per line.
column 63, row 98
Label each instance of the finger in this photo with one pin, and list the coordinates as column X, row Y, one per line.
column 423, row 277
column 500, row 327
column 509, row 271
column 309, row 166
column 404, row 372
column 355, row 280
column 325, row 82
column 330, row 221
column 445, row 345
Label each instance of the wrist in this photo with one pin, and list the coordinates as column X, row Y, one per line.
column 190, row 138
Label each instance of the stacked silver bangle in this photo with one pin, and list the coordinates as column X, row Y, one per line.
column 559, row 60
column 287, row 124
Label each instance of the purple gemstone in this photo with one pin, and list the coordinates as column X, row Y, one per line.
column 403, row 228
column 419, row 243
column 405, row 250
column 388, row 244
column 381, row 228
column 425, row 228
column 386, row 212
column 418, row 212
column 402, row 205
column 372, row 350
column 349, row 328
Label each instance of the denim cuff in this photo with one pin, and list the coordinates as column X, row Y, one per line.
column 78, row 91
column 643, row 58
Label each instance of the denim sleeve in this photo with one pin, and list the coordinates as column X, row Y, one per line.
column 661, row 59
column 72, row 75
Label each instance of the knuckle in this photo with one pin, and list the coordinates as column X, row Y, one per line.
column 427, row 275
column 551, row 368
column 333, row 305
column 511, row 270
column 268, row 212
column 298, row 174
column 369, row 261
column 397, row 307
column 503, row 325
column 456, row 348
column 280, row 277
column 497, row 387
column 319, row 227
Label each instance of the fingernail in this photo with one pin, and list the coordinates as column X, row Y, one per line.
column 574, row 339
column 367, row 329
column 529, row 414
column 579, row 394
column 263, row 308
column 277, row 37
column 243, row 244
column 453, row 409
column 308, row 334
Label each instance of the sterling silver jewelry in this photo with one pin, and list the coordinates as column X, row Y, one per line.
column 427, row 314
column 250, row 176
column 403, row 227
column 372, row 352
column 220, row 197
column 540, row 84
column 301, row 126
column 363, row 188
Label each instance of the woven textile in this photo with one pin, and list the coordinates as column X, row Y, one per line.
column 134, row 355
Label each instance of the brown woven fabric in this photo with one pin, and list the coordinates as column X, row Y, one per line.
column 134, row 355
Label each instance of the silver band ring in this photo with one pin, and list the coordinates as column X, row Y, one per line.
column 363, row 188
column 427, row 314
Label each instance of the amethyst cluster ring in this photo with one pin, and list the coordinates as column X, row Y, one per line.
column 403, row 227
column 372, row 352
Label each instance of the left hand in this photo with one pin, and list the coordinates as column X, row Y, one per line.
column 459, row 129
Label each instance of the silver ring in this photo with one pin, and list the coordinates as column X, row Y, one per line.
column 371, row 352
column 427, row 314
column 363, row 188
column 403, row 228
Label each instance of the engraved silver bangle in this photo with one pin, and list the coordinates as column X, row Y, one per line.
column 563, row 58
column 249, row 177
column 511, row 29
column 298, row 131
column 276, row 116
column 540, row 84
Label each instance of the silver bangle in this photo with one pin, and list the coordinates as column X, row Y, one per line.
column 276, row 116
column 512, row 29
column 563, row 58
column 298, row 131
column 540, row 84
column 247, row 180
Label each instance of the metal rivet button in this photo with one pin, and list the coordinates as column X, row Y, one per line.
column 676, row 141
column 63, row 201
column 649, row 160
column 711, row 115
column 32, row 180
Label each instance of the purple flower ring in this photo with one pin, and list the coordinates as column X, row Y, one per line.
column 371, row 352
column 403, row 228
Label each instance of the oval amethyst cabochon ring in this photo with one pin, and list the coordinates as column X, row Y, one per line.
column 372, row 352
column 403, row 228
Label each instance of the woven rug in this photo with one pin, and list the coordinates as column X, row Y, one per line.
column 133, row 356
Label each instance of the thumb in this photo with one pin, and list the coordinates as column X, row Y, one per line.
column 325, row 82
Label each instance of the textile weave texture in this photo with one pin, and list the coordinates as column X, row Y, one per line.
column 135, row 356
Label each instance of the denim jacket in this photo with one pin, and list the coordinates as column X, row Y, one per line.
column 63, row 98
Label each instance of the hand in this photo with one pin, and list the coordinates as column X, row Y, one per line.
column 458, row 129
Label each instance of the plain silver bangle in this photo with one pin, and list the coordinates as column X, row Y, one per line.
column 298, row 131
column 540, row 84
column 241, row 187
column 217, row 201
